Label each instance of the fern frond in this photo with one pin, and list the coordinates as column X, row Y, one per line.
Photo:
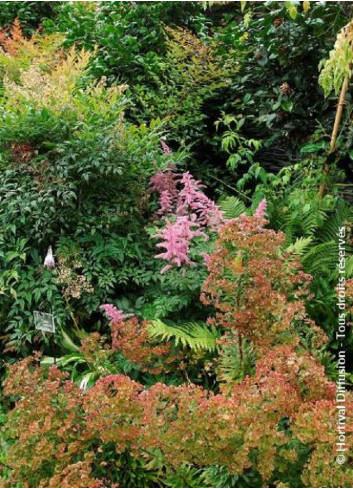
column 322, row 257
column 304, row 223
column 332, row 224
column 299, row 246
column 307, row 213
column 196, row 336
column 232, row 207
column 311, row 221
column 349, row 267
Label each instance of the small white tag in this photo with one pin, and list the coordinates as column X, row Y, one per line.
column 44, row 321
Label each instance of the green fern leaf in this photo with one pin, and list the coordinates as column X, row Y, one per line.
column 232, row 207
column 196, row 336
column 349, row 267
column 322, row 257
column 334, row 222
column 299, row 246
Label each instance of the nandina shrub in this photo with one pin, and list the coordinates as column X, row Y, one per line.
column 74, row 178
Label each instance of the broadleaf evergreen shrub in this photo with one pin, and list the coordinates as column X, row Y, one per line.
column 74, row 178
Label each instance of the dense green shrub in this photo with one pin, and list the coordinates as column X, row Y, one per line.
column 281, row 100
column 30, row 14
column 263, row 69
column 74, row 177
column 130, row 35
column 165, row 53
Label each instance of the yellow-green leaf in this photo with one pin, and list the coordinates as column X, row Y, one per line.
column 292, row 10
column 306, row 6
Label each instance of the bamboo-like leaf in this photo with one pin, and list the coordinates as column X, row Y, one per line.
column 338, row 66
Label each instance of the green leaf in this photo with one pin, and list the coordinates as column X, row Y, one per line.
column 287, row 105
column 291, row 9
column 313, row 147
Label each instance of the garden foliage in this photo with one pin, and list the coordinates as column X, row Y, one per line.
column 161, row 165
column 272, row 425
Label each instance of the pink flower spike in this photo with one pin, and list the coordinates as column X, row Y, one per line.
column 176, row 238
column 166, row 148
column 165, row 203
column 165, row 182
column 192, row 199
column 261, row 209
column 114, row 314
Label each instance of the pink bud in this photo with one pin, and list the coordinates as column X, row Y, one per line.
column 49, row 261
column 166, row 148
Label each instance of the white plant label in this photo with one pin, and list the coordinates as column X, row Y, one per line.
column 44, row 322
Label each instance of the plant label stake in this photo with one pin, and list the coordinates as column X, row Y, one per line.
column 44, row 322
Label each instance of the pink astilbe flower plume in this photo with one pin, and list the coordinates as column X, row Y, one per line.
column 191, row 199
column 193, row 211
column 165, row 203
column 166, row 148
column 114, row 314
column 261, row 209
column 165, row 180
column 165, row 184
column 176, row 237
